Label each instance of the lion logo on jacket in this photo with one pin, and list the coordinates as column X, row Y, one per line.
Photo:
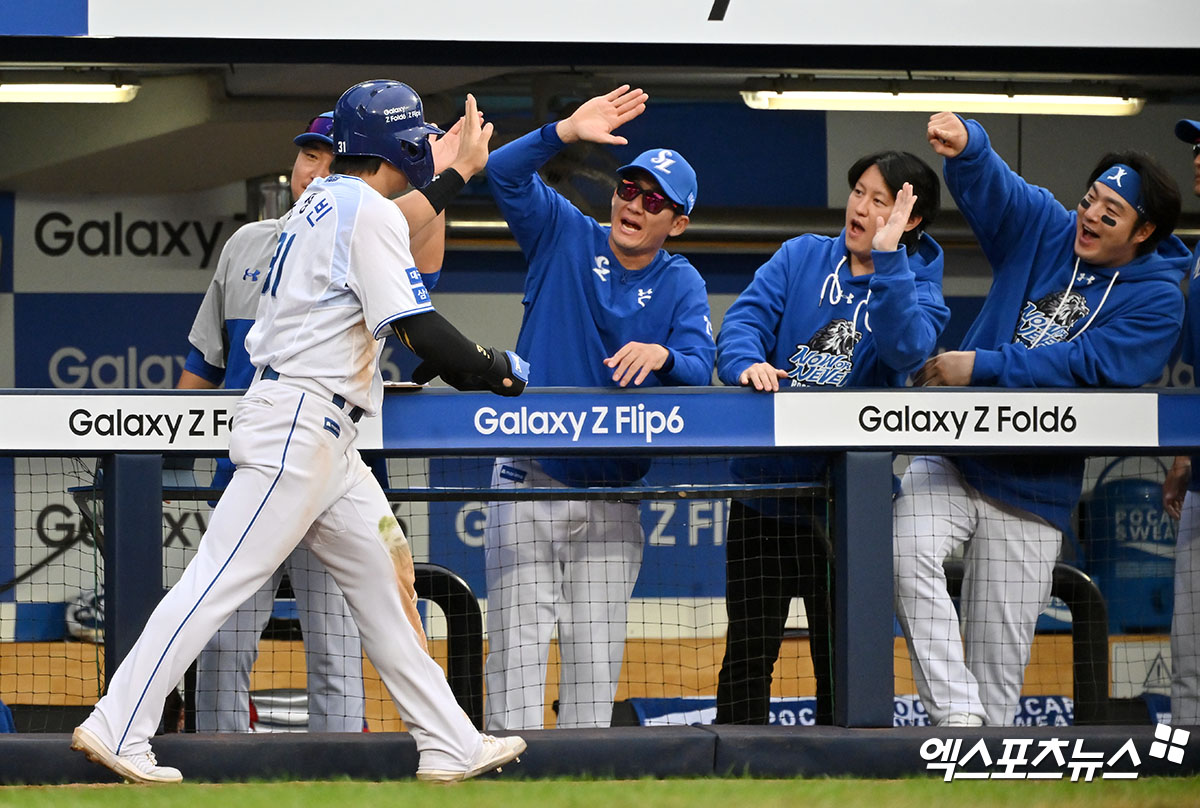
column 827, row 358
column 1051, row 319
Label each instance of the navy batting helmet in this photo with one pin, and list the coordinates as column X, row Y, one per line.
column 384, row 118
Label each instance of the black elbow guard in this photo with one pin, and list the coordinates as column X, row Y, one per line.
column 503, row 366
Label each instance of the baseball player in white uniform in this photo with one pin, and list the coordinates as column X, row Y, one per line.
column 333, row 652
column 332, row 648
column 341, row 275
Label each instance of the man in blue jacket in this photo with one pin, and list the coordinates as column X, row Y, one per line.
column 862, row 309
column 605, row 306
column 1181, row 498
column 1080, row 298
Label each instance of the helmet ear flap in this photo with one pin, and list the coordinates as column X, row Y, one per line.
column 417, row 162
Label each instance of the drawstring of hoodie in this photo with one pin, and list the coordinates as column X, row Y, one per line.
column 836, row 296
column 834, row 286
column 1053, row 318
column 866, row 315
column 1063, row 300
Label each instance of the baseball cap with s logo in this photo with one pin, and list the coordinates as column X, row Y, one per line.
column 672, row 172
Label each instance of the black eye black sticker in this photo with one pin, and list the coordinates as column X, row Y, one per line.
column 1108, row 220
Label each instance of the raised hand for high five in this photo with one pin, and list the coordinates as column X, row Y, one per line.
column 597, row 117
column 947, row 134
column 445, row 147
column 887, row 234
column 472, row 136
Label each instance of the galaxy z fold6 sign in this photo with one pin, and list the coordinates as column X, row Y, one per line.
column 976, row 419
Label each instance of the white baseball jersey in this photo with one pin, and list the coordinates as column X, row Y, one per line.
column 335, row 282
column 327, row 297
column 332, row 649
column 230, row 303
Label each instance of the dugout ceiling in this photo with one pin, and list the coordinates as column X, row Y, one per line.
column 222, row 95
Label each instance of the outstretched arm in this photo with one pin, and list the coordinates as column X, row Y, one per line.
column 1003, row 210
column 463, row 364
column 750, row 329
column 536, row 214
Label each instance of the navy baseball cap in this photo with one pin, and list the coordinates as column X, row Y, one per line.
column 1188, row 131
column 674, row 174
column 318, row 131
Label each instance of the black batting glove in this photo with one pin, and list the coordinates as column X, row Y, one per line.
column 504, row 365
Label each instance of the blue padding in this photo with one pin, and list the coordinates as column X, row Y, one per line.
column 285, row 609
column 46, row 758
column 907, row 711
column 6, row 719
column 38, row 622
column 1159, row 707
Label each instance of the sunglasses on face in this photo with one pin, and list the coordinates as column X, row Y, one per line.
column 1195, row 149
column 652, row 200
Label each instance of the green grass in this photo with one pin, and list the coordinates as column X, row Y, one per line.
column 697, row 793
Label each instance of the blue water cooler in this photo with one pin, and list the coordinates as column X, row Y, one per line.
column 1130, row 544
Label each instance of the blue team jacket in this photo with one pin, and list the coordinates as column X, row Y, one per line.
column 1050, row 320
column 806, row 313
column 1191, row 343
column 581, row 305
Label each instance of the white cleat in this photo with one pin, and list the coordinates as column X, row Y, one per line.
column 139, row 768
column 961, row 720
column 494, row 754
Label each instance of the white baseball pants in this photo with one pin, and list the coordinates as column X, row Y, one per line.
column 1008, row 571
column 1185, row 622
column 567, row 563
column 298, row 477
column 332, row 651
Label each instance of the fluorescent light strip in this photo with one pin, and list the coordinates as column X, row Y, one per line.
column 937, row 102
column 67, row 93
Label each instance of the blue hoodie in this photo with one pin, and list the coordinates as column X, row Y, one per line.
column 582, row 306
column 1052, row 320
column 1191, row 344
column 806, row 313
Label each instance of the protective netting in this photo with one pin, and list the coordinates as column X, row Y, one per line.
column 697, row 592
column 1020, row 602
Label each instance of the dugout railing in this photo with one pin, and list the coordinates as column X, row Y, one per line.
column 861, row 429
